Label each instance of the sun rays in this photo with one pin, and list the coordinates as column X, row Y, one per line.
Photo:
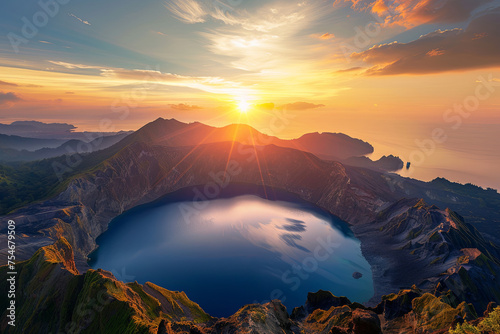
column 244, row 106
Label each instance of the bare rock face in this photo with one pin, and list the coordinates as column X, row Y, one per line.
column 324, row 300
column 397, row 305
column 365, row 322
column 411, row 242
column 257, row 319
column 162, row 328
column 321, row 300
column 61, row 252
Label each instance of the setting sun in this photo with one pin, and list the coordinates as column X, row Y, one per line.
column 243, row 106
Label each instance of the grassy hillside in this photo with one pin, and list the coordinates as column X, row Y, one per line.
column 22, row 183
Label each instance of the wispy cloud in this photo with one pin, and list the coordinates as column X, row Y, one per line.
column 184, row 107
column 215, row 85
column 270, row 42
column 11, row 84
column 4, row 83
column 74, row 66
column 325, row 36
column 189, row 11
column 79, row 19
column 266, row 39
column 158, row 33
column 264, row 20
column 351, row 69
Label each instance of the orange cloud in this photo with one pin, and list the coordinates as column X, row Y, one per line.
column 435, row 53
column 4, row 83
column 439, row 51
column 184, row 107
column 325, row 36
column 352, row 69
column 409, row 13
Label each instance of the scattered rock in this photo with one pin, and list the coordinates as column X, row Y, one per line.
column 357, row 275
column 324, row 300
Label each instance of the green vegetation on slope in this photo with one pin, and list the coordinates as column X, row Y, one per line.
column 24, row 182
column 490, row 324
column 53, row 298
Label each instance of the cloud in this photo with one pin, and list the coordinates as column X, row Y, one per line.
column 158, row 76
column 136, row 74
column 189, row 11
column 265, row 106
column 352, row 69
column 9, row 97
column 158, row 33
column 325, row 36
column 184, row 107
column 410, row 13
column 11, row 84
column 478, row 46
column 301, row 106
column 4, row 83
column 215, row 85
column 79, row 19
column 266, row 40
column 74, row 66
column 267, row 19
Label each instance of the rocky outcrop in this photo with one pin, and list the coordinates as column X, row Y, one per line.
column 321, row 300
column 257, row 319
column 386, row 163
column 397, row 305
column 364, row 321
column 411, row 242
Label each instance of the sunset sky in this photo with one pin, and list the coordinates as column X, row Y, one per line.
column 362, row 67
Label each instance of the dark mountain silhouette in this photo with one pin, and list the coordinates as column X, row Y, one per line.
column 388, row 163
column 174, row 133
column 57, row 131
column 36, row 129
column 29, row 144
column 66, row 148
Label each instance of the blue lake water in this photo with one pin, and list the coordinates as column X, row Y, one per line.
column 229, row 252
